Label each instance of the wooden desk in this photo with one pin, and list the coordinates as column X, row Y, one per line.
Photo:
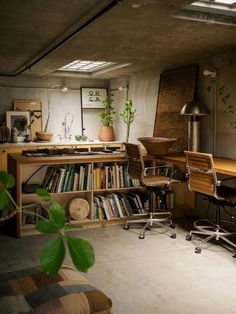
column 222, row 165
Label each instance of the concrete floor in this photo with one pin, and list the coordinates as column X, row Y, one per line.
column 157, row 275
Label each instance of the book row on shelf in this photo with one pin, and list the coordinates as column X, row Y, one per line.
column 81, row 177
column 118, row 205
column 108, row 206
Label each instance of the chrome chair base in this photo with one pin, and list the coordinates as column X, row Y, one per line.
column 149, row 222
column 212, row 231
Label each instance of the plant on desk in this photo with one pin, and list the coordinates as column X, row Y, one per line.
column 106, row 132
column 53, row 253
column 128, row 115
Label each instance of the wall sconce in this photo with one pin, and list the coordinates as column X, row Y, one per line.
column 194, row 109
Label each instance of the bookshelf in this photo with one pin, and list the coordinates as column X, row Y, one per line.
column 90, row 177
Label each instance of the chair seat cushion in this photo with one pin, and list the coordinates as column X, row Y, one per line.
column 33, row 291
column 157, row 180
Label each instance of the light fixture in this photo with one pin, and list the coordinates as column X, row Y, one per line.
column 210, row 72
column 194, row 109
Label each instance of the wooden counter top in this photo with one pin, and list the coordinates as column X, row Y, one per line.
column 222, row 165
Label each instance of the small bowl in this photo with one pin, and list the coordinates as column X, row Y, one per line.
column 44, row 136
column 157, row 145
column 81, row 138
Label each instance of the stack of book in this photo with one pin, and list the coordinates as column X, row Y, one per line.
column 118, row 205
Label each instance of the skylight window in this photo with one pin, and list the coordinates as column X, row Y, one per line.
column 210, row 11
column 213, row 6
column 86, row 66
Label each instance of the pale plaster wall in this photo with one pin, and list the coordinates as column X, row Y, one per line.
column 143, row 90
column 35, row 88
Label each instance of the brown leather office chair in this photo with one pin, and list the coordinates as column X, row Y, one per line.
column 203, row 179
column 155, row 184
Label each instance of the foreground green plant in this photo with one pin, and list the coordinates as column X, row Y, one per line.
column 53, row 253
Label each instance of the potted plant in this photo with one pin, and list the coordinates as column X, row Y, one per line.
column 106, row 132
column 128, row 115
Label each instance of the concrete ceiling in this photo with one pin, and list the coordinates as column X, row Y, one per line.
column 39, row 36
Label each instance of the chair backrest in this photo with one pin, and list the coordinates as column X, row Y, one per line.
column 135, row 161
column 202, row 174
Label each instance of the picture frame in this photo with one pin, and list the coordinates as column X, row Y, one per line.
column 20, row 120
column 93, row 97
column 35, row 109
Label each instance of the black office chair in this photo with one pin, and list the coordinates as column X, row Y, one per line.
column 156, row 184
column 203, row 179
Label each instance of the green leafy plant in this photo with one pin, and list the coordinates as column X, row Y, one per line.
column 128, row 115
column 53, row 253
column 224, row 97
column 107, row 114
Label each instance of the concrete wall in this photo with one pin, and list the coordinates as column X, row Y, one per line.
column 225, row 135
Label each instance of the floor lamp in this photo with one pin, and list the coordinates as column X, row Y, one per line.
column 194, row 109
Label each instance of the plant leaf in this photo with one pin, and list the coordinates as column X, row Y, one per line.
column 47, row 226
column 57, row 215
column 81, row 252
column 7, row 180
column 52, row 256
column 45, row 195
column 4, row 199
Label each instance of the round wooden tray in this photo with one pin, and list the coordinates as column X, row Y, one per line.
column 78, row 208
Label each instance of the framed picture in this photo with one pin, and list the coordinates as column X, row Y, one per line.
column 35, row 110
column 92, row 97
column 20, row 120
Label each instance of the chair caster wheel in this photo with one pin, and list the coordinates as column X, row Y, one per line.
column 172, row 226
column 141, row 236
column 126, row 227
column 188, row 237
column 198, row 250
column 173, row 236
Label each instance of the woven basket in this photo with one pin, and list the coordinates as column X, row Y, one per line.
column 78, row 208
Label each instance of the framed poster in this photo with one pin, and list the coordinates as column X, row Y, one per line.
column 35, row 110
column 92, row 97
column 20, row 120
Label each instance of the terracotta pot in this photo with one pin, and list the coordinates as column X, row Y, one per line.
column 44, row 136
column 106, row 134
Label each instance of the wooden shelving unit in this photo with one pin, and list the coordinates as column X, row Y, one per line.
column 18, row 164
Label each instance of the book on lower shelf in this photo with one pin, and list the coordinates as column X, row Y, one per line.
column 30, row 217
column 118, row 205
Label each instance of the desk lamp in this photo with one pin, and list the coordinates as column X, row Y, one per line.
column 194, row 109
